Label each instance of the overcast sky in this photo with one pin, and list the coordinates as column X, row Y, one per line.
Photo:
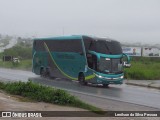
column 123, row 20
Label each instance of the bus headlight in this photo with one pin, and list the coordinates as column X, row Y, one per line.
column 122, row 77
column 99, row 76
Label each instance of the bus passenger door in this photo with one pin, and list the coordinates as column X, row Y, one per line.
column 92, row 61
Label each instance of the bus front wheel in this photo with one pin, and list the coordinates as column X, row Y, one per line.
column 81, row 79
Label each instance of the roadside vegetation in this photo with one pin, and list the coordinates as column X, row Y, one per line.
column 23, row 65
column 144, row 68
column 23, row 51
column 47, row 94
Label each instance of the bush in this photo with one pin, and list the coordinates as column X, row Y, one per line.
column 46, row 94
column 19, row 51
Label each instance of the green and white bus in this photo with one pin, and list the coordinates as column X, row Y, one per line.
column 83, row 58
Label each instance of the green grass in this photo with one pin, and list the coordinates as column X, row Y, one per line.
column 47, row 94
column 24, row 64
column 144, row 69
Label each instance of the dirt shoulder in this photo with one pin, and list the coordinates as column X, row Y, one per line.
column 17, row 103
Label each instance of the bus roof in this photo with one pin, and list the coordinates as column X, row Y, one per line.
column 74, row 37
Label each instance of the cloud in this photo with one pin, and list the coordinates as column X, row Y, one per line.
column 129, row 20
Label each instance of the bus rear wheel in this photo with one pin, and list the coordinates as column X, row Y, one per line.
column 105, row 85
column 81, row 79
column 42, row 72
column 45, row 73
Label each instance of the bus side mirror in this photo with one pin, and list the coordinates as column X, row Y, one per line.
column 126, row 65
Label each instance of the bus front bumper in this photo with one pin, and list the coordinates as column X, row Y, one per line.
column 109, row 79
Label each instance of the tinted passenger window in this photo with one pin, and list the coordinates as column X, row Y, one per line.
column 64, row 45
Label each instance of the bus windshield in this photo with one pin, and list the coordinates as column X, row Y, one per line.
column 108, row 47
column 108, row 65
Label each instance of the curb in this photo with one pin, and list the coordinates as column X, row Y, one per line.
column 149, row 85
column 153, row 85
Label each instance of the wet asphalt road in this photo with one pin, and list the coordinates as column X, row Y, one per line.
column 15, row 75
column 125, row 93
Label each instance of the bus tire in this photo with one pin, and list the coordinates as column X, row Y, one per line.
column 105, row 85
column 81, row 79
column 42, row 72
column 47, row 73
